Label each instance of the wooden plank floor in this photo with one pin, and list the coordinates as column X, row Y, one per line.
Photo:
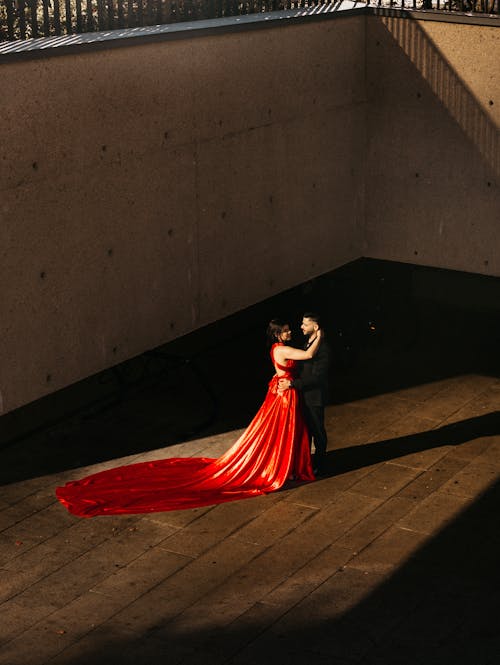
column 391, row 558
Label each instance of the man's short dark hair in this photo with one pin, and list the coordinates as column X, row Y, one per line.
column 314, row 316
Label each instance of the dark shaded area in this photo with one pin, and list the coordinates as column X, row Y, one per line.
column 440, row 607
column 390, row 326
column 342, row 460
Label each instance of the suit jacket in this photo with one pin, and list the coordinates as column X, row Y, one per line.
column 312, row 380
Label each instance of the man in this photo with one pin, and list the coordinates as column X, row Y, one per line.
column 312, row 382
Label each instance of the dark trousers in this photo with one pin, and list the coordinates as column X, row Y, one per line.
column 315, row 419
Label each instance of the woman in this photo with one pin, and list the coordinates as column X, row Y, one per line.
column 273, row 449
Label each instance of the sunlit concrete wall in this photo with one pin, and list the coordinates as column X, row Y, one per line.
column 146, row 191
column 433, row 157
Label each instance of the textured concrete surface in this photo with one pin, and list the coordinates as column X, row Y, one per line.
column 433, row 156
column 175, row 171
column 391, row 558
column 186, row 180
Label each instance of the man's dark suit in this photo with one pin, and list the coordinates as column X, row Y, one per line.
column 312, row 382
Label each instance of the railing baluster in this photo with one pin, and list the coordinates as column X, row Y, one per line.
column 79, row 18
column 69, row 24
column 140, row 19
column 33, row 18
column 101, row 15
column 10, row 19
column 119, row 13
column 130, row 13
column 159, row 12
column 57, row 17
column 174, row 11
column 90, row 16
column 22, row 19
column 46, row 18
column 111, row 15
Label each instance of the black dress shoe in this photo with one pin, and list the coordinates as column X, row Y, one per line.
column 319, row 468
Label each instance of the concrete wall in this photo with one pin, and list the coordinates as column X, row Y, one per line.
column 147, row 191
column 433, row 157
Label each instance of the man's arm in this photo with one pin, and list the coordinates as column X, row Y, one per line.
column 318, row 376
column 319, row 372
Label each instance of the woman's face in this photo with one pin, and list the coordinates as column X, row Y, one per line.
column 285, row 334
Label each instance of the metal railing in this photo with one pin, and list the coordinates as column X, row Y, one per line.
column 27, row 19
column 490, row 7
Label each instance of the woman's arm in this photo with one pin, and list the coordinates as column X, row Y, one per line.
column 283, row 353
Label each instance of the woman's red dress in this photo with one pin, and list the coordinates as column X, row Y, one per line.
column 274, row 447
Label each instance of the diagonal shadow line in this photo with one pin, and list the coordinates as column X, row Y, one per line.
column 448, row 87
column 438, row 607
column 343, row 460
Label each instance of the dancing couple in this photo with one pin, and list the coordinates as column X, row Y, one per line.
column 275, row 447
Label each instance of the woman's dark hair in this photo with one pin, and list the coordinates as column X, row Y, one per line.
column 274, row 330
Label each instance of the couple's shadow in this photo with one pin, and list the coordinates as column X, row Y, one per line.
column 342, row 460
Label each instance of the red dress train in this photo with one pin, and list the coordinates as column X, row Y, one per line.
column 274, row 447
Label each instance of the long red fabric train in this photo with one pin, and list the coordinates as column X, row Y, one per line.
column 273, row 447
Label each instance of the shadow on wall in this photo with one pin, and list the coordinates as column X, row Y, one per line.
column 460, row 102
column 384, row 335
column 439, row 606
